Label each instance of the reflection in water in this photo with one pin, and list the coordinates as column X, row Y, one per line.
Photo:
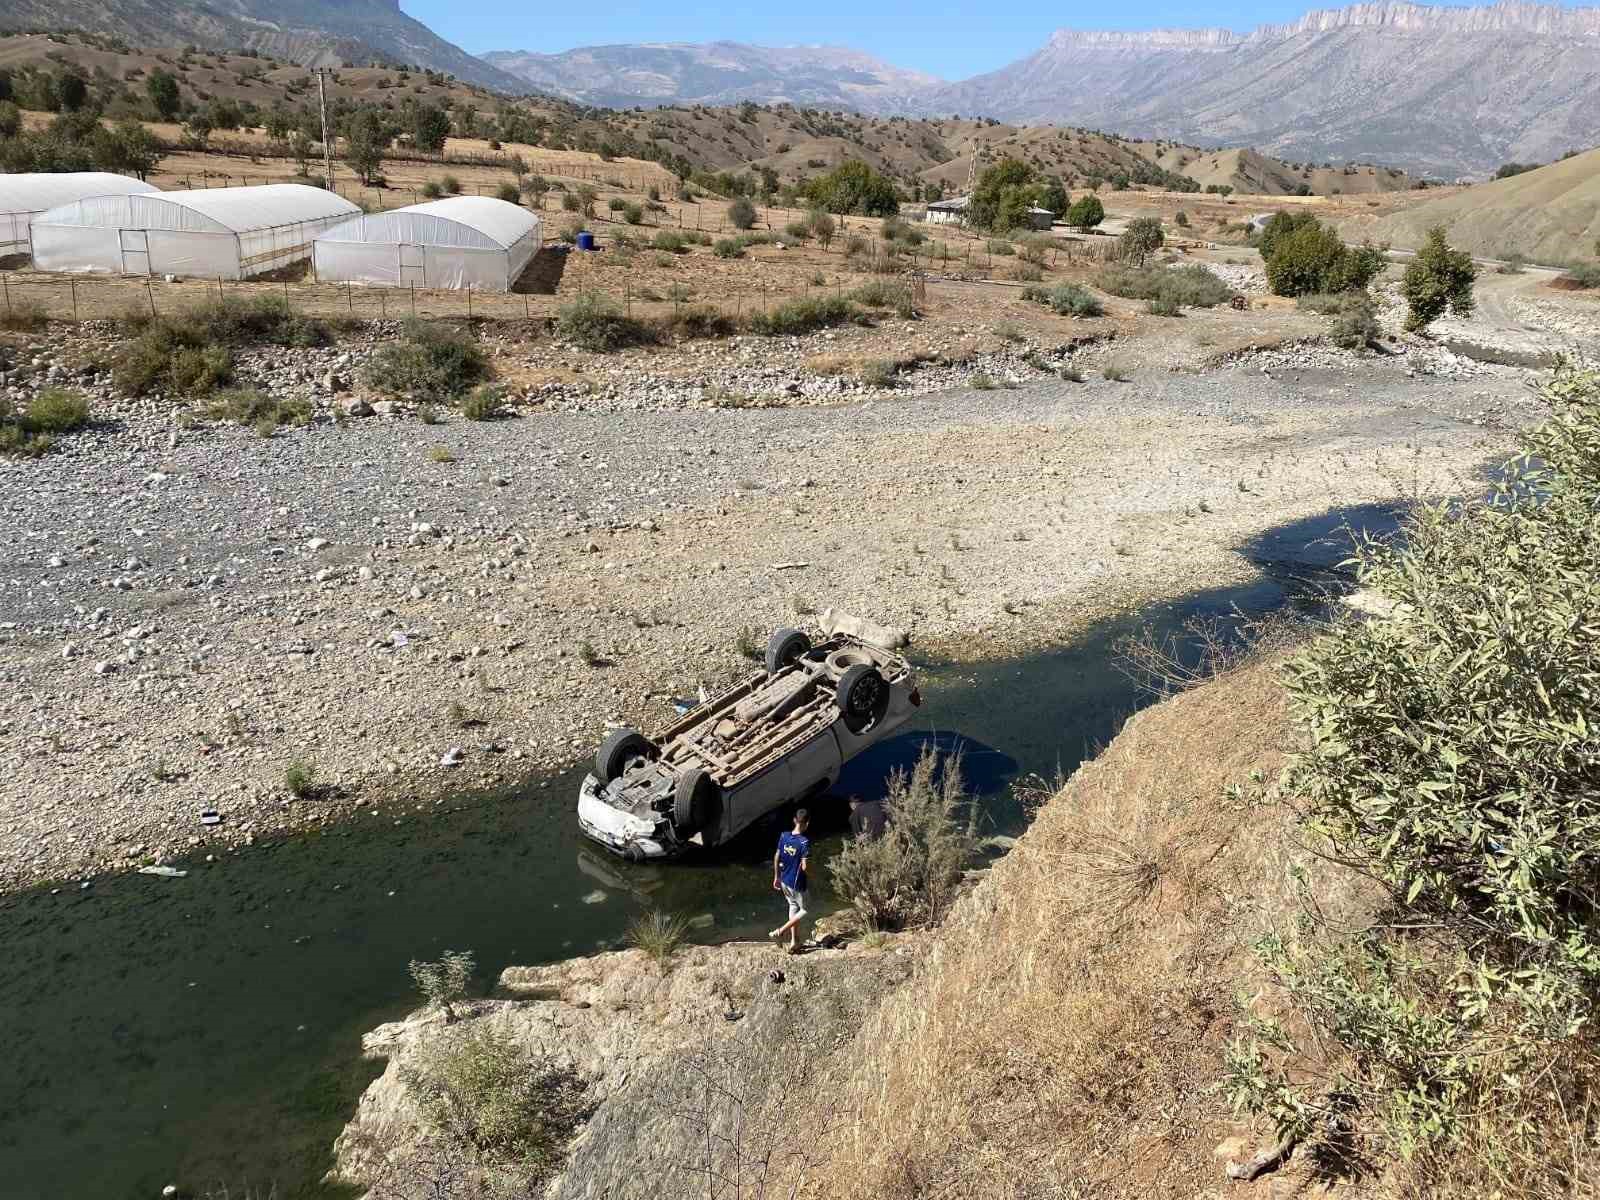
column 205, row 1030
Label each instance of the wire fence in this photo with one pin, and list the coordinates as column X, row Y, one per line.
column 28, row 296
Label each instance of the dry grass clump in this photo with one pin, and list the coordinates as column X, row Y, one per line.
column 1065, row 1034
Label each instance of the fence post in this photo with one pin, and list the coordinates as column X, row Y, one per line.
column 151, row 292
column 469, row 302
column 413, row 301
column 5, row 283
column 350, row 299
column 73, row 285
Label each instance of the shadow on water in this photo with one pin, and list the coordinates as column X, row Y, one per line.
column 206, row 1030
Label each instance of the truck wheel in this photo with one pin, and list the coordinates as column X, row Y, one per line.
column 863, row 697
column 694, row 801
column 784, row 647
column 620, row 747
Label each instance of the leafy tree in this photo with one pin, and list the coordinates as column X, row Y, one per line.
column 1053, row 195
column 300, row 150
column 1086, row 213
column 742, row 214
column 365, row 142
column 853, row 187
column 10, row 119
column 1307, row 256
column 72, row 91
column 1438, row 278
column 1279, row 226
column 1004, row 193
column 162, row 88
column 821, row 225
column 430, row 125
column 198, row 129
column 1142, row 237
column 128, row 149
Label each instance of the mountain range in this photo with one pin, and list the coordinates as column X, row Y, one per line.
column 1447, row 91
column 1436, row 90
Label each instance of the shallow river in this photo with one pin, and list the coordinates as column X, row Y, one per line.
column 206, row 1030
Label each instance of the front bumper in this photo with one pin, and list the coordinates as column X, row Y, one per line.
column 621, row 833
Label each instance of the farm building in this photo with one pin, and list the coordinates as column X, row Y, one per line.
column 472, row 242
column 1041, row 218
column 949, row 212
column 226, row 233
column 24, row 197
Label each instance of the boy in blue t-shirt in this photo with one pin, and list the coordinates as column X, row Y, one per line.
column 789, row 876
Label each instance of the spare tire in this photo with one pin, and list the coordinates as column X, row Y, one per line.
column 863, row 697
column 620, row 747
column 695, row 798
column 784, row 647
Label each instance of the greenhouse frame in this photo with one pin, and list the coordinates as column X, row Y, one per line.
column 463, row 242
column 23, row 197
column 220, row 233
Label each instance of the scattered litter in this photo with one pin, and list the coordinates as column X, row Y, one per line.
column 789, row 566
column 681, row 706
column 596, row 897
column 703, row 921
column 453, row 757
column 210, row 816
column 775, row 975
column 164, row 872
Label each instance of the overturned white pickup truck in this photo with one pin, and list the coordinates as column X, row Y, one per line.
column 779, row 736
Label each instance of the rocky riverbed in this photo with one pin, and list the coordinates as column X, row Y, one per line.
column 399, row 610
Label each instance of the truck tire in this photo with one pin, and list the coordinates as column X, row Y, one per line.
column 784, row 647
column 621, row 745
column 863, row 697
column 694, row 801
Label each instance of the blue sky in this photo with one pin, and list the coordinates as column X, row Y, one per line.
column 946, row 38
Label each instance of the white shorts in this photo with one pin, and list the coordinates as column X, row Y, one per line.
column 797, row 902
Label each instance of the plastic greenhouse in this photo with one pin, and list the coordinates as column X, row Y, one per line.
column 226, row 233
column 472, row 242
column 24, row 197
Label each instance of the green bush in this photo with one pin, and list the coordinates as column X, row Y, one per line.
column 632, row 214
column 853, row 187
column 594, row 322
column 249, row 406
column 443, row 981
column 1582, row 275
column 742, row 214
column 728, row 248
column 693, row 321
column 431, row 190
column 1163, row 306
column 451, row 185
column 1180, row 219
column 1355, row 317
column 1438, row 278
column 234, row 321
column 33, row 432
column 884, row 293
column 1189, row 287
column 797, row 231
column 878, row 373
column 1035, row 248
column 804, row 316
column 671, row 240
column 1086, row 213
column 485, row 403
column 57, row 410
column 514, row 1115
column 1450, row 757
column 909, row 875
column 1068, row 299
column 1310, row 257
column 430, row 362
column 509, row 193
column 659, row 934
column 24, row 316
column 1000, row 247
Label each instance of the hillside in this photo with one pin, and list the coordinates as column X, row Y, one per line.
column 793, row 142
column 304, row 32
column 1550, row 215
column 718, row 73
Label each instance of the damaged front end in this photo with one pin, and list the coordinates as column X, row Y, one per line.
column 622, row 817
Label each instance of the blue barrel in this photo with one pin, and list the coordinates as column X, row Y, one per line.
column 586, row 240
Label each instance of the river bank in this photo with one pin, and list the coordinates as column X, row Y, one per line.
column 183, row 624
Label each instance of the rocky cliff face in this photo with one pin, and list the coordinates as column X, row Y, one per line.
column 1439, row 90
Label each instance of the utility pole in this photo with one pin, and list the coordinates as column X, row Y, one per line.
column 327, row 146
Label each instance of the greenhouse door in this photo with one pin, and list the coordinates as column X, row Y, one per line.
column 411, row 272
column 135, row 252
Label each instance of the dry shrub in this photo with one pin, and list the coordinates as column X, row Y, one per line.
column 1065, row 1034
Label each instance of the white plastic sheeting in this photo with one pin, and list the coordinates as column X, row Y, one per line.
column 23, row 197
column 472, row 242
column 227, row 233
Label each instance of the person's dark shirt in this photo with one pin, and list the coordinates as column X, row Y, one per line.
column 868, row 819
